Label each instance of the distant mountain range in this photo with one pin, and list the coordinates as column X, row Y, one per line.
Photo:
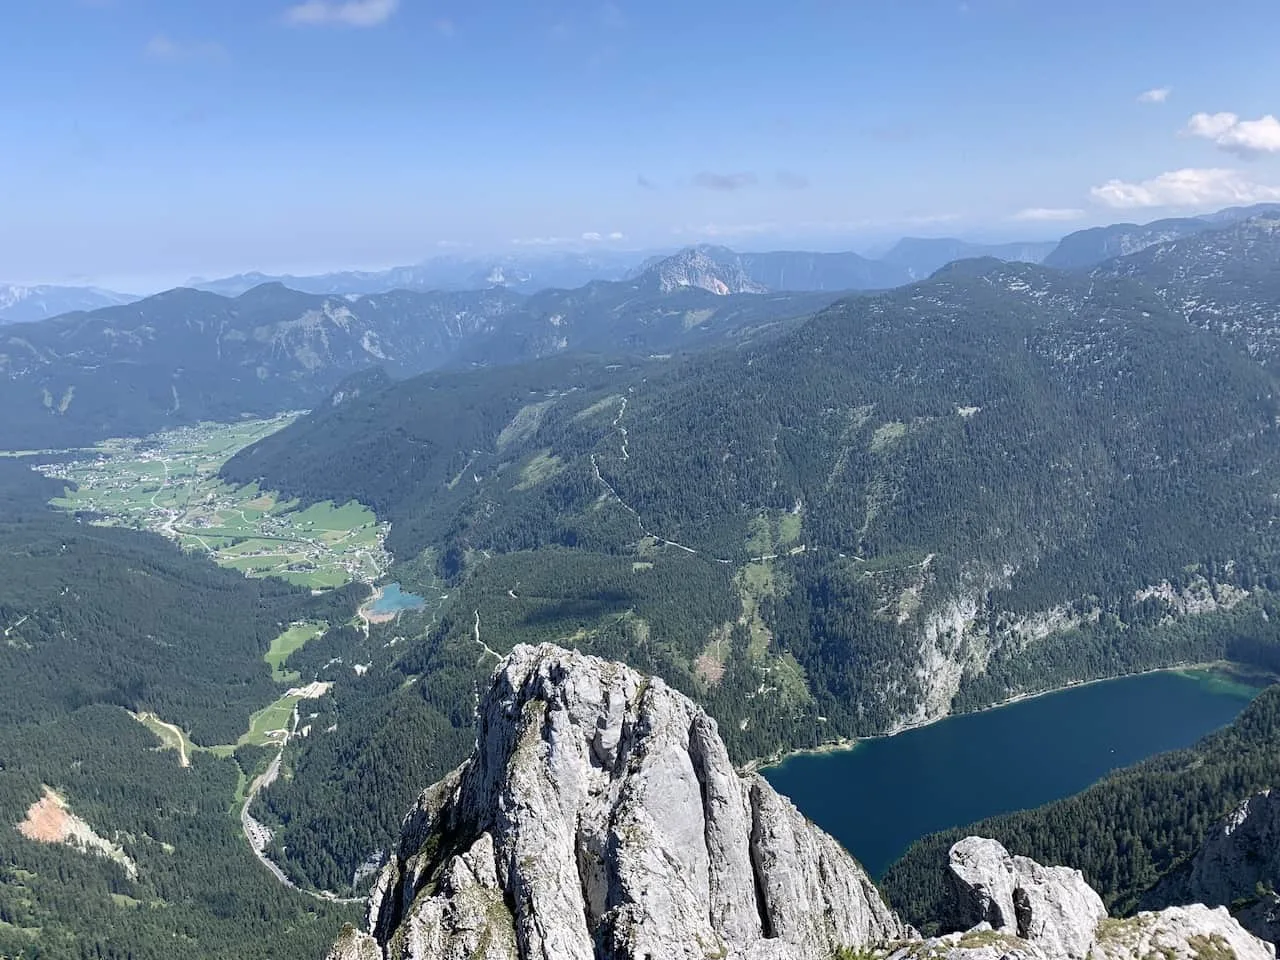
column 187, row 355
column 910, row 259
column 1088, row 248
column 918, row 257
column 522, row 273
column 20, row 304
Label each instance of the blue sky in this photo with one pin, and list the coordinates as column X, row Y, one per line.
column 143, row 141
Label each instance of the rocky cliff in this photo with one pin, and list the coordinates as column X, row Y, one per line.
column 1238, row 865
column 599, row 818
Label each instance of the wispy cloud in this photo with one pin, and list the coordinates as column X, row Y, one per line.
column 644, row 183
column 724, row 229
column 594, row 236
column 790, row 180
column 1246, row 138
column 542, row 241
column 162, row 47
column 1048, row 214
column 724, row 181
column 349, row 13
column 445, row 27
column 1189, row 188
column 1155, row 95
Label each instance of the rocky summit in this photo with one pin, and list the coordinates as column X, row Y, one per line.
column 599, row 818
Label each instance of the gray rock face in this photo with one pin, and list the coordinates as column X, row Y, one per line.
column 1194, row 932
column 600, row 817
column 1238, row 865
column 1239, row 853
column 1051, row 906
column 1025, row 911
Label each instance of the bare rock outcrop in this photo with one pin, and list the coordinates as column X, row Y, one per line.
column 1239, row 853
column 1194, row 932
column 600, row 817
column 1052, row 906
column 1025, row 911
column 1237, row 865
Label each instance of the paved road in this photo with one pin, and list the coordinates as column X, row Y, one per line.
column 259, row 835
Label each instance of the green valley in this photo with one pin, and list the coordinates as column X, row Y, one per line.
column 168, row 483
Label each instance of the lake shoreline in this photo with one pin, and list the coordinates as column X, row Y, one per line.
column 1236, row 671
column 365, row 611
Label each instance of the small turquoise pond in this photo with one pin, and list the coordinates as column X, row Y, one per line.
column 394, row 600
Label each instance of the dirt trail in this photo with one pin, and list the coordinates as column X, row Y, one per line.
column 183, row 759
column 487, row 649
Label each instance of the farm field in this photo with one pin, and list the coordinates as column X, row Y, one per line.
column 285, row 644
column 168, row 483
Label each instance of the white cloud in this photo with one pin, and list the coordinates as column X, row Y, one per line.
column 1048, row 214
column 1155, row 95
column 350, row 13
column 1244, row 137
column 161, row 47
column 1185, row 188
column 617, row 235
column 592, row 236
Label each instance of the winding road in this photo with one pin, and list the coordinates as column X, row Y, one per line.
column 259, row 835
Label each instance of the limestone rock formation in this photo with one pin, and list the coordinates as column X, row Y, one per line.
column 600, row 817
column 1238, row 865
column 1239, row 853
column 1052, row 906
column 1194, row 932
column 1025, row 911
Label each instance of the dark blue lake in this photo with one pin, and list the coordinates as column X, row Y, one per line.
column 883, row 794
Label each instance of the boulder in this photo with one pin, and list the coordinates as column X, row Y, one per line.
column 1052, row 907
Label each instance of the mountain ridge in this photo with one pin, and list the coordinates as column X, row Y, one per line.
column 26, row 303
column 187, row 354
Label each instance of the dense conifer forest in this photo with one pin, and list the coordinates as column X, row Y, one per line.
column 97, row 622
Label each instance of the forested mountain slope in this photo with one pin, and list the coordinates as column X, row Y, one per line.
column 1226, row 281
column 993, row 482
column 94, row 622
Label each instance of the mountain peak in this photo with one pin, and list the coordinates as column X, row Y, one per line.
column 600, row 816
column 697, row 267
